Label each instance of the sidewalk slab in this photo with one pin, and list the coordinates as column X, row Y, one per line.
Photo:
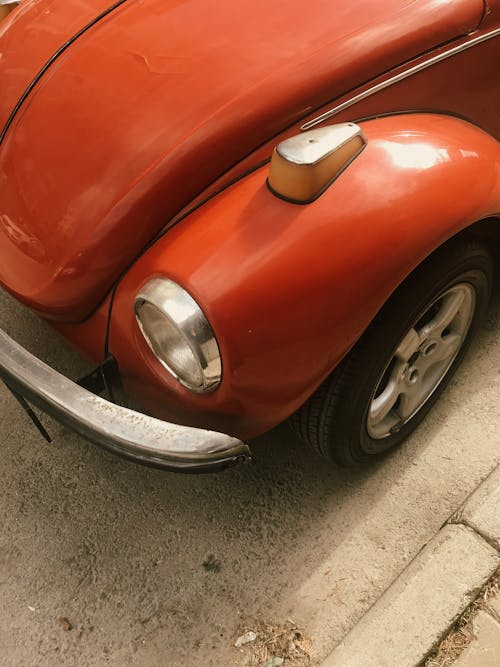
column 484, row 650
column 494, row 606
column 482, row 511
column 414, row 613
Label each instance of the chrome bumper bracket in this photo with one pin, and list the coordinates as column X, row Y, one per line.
column 31, row 413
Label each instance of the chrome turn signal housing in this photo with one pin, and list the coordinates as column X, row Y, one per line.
column 179, row 334
column 305, row 165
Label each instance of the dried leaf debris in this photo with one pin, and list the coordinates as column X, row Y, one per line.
column 462, row 633
column 270, row 645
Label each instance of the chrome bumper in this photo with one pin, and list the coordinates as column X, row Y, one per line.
column 123, row 431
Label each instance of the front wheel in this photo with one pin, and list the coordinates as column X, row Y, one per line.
column 392, row 377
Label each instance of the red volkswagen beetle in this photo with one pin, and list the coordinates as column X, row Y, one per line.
column 246, row 212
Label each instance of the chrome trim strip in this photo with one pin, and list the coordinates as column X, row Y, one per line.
column 121, row 430
column 399, row 77
column 312, row 147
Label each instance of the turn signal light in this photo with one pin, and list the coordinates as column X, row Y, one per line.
column 305, row 165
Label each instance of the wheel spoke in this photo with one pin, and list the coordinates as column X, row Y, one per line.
column 408, row 345
column 383, row 404
column 450, row 305
column 409, row 401
column 441, row 355
column 448, row 347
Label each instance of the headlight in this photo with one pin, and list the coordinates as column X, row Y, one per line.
column 179, row 334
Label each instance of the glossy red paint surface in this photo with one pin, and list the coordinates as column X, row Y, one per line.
column 31, row 35
column 141, row 114
column 467, row 84
column 163, row 103
column 89, row 337
column 289, row 289
column 490, row 18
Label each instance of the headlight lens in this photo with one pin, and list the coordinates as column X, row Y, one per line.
column 179, row 334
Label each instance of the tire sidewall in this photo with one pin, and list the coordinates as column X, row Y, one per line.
column 426, row 285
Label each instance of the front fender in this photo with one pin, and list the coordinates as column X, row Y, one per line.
column 290, row 288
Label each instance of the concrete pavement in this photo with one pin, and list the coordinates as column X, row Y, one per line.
column 413, row 615
column 118, row 549
column 484, row 650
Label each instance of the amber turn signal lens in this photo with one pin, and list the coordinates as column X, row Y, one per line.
column 303, row 166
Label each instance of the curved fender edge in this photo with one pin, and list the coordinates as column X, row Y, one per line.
column 290, row 288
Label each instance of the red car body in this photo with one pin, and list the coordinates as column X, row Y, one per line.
column 135, row 144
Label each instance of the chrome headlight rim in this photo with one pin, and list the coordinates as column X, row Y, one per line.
column 184, row 314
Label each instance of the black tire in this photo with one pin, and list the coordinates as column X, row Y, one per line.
column 335, row 419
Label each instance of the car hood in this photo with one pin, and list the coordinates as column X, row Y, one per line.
column 31, row 36
column 155, row 102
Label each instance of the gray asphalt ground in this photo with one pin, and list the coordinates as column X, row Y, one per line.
column 119, row 549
